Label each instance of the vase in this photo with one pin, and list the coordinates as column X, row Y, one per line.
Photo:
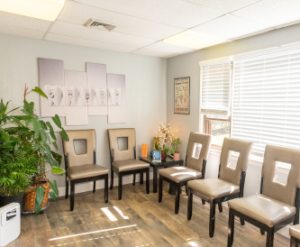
column 163, row 156
column 176, row 156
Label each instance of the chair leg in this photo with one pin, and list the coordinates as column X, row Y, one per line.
column 186, row 190
column 160, row 188
column 72, row 196
column 190, row 204
column 230, row 229
column 111, row 179
column 141, row 177
column 212, row 213
column 94, row 186
column 242, row 220
column 177, row 198
column 262, row 232
column 147, row 181
column 220, row 207
column 106, row 189
column 203, row 202
column 270, row 238
column 133, row 183
column 120, row 187
column 67, row 189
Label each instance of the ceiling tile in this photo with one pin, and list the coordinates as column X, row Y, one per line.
column 79, row 14
column 176, row 13
column 29, row 27
column 270, row 13
column 113, row 38
column 228, row 27
column 162, row 49
column 87, row 43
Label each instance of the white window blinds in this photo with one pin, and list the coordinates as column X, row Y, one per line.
column 215, row 86
column 266, row 99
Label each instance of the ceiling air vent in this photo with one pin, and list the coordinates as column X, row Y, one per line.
column 98, row 24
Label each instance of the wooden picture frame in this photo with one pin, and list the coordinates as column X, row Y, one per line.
column 182, row 95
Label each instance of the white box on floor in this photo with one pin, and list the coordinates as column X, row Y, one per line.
column 10, row 223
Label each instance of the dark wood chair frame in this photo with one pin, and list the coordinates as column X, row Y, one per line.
column 176, row 185
column 82, row 180
column 263, row 227
column 141, row 171
column 213, row 203
column 294, row 242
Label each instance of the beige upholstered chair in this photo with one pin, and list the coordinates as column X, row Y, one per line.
column 229, row 184
column 278, row 203
column 123, row 157
column 80, row 162
column 194, row 168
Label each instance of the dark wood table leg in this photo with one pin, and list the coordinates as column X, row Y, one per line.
column 154, row 179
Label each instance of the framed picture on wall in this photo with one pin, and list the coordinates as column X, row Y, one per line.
column 182, row 95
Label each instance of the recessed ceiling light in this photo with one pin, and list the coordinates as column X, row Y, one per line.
column 41, row 9
column 191, row 39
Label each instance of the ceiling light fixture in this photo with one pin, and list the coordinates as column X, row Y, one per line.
column 41, row 9
column 194, row 40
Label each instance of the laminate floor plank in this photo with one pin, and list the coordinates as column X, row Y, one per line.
column 138, row 220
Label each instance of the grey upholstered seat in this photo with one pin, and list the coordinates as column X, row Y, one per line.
column 228, row 185
column 122, row 147
column 80, row 162
column 276, row 206
column 196, row 155
column 295, row 235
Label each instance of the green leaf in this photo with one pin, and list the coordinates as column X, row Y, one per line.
column 57, row 121
column 56, row 170
column 40, row 92
column 51, row 131
column 39, row 199
column 54, row 190
column 64, row 135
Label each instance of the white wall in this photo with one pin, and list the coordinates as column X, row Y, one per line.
column 145, row 82
column 188, row 65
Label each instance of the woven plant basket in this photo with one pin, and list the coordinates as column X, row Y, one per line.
column 30, row 195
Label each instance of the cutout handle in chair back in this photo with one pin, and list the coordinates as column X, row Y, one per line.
column 197, row 150
column 234, row 159
column 81, row 147
column 288, row 161
column 122, row 143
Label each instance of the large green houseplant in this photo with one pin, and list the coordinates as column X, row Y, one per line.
column 26, row 146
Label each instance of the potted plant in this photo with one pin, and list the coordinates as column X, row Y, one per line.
column 25, row 148
column 174, row 148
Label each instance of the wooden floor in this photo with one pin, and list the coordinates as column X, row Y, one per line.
column 136, row 221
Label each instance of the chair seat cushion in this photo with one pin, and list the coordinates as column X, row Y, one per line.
column 295, row 231
column 179, row 174
column 212, row 188
column 263, row 209
column 129, row 165
column 86, row 171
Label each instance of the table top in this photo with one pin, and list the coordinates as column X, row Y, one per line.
column 168, row 162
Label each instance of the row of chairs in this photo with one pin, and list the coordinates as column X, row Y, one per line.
column 80, row 160
column 277, row 204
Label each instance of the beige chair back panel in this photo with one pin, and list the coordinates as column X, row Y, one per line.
column 243, row 148
column 113, row 135
column 195, row 138
column 69, row 149
column 285, row 193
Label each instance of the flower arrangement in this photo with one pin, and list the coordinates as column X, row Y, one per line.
column 165, row 141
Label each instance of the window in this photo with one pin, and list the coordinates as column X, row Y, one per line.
column 264, row 103
column 215, row 98
column 266, row 98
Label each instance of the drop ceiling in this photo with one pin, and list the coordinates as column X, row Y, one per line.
column 142, row 26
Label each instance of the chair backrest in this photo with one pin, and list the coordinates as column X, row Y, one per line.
column 122, row 143
column 81, row 147
column 234, row 159
column 274, row 189
column 197, row 150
